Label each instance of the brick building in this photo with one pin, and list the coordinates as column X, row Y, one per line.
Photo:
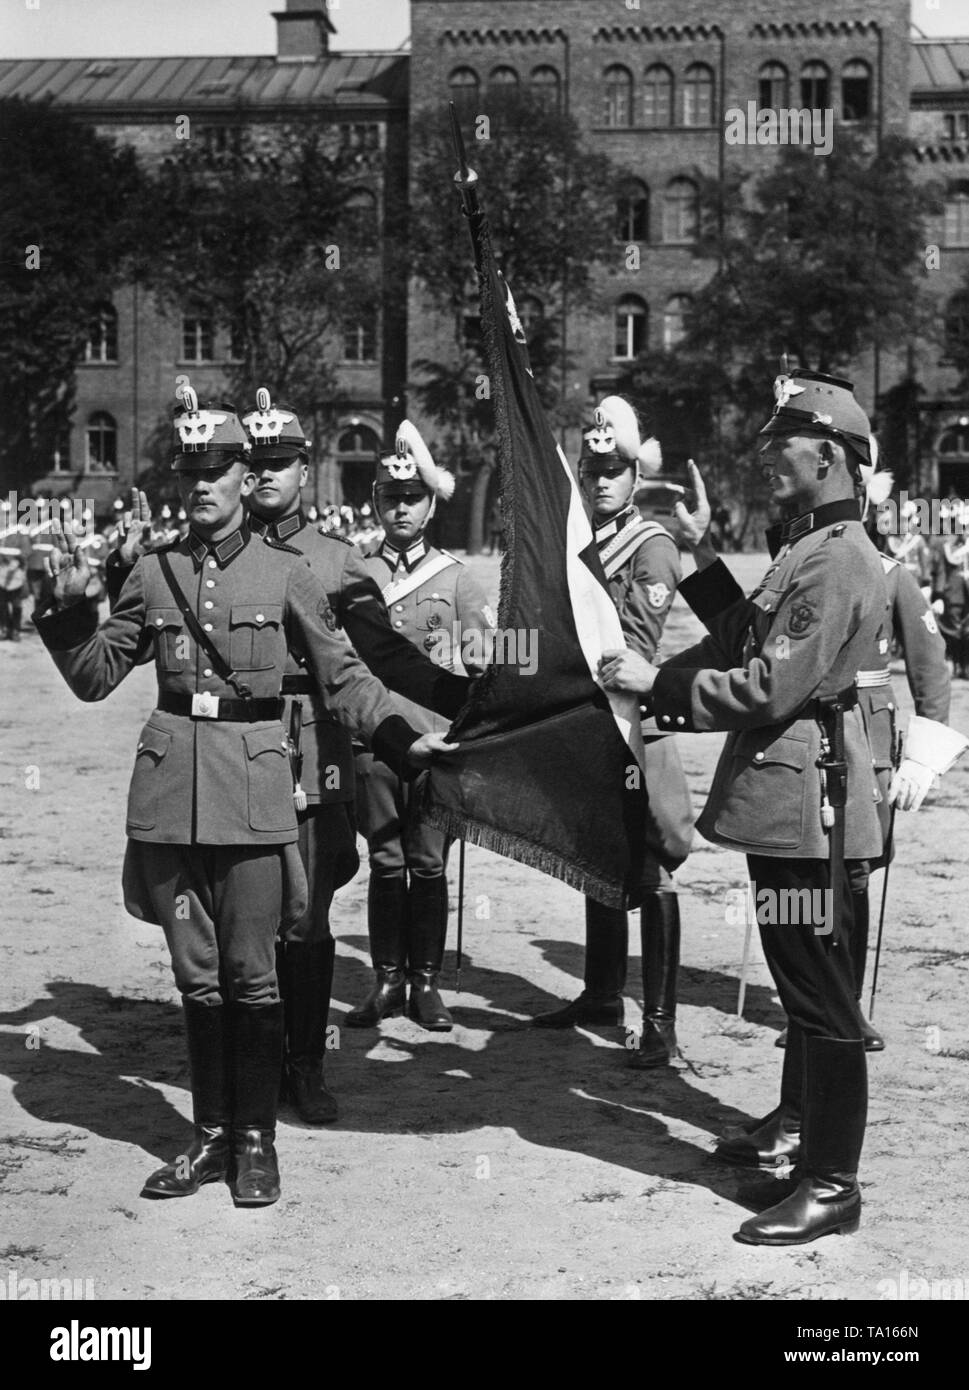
column 648, row 82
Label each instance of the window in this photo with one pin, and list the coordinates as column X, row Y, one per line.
column 237, row 341
column 658, row 96
column 815, row 84
column 856, row 91
column 102, row 443
column 772, row 87
column 674, row 320
column 361, row 216
column 632, row 320
column 358, row 448
column 955, row 441
column 957, row 324
column 949, row 126
column 502, row 77
column 197, row 336
column 221, row 139
column 464, row 87
column 360, row 137
column 546, row 86
column 955, row 230
column 698, row 95
column 964, row 126
column 632, row 212
column 102, row 344
column 360, row 337
column 680, row 211
column 618, row 96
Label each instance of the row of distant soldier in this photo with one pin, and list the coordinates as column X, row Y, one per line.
column 940, row 565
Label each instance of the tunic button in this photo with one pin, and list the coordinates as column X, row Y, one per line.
column 212, row 565
column 398, row 623
column 398, row 607
column 208, row 603
column 210, row 583
column 140, row 746
column 206, row 672
column 435, row 595
column 208, row 627
column 664, row 719
column 758, row 757
column 159, row 622
column 260, row 617
column 891, row 706
column 680, row 719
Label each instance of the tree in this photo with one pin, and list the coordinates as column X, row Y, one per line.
column 551, row 206
column 275, row 239
column 67, row 198
column 819, row 258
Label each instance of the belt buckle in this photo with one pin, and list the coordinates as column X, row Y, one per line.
column 205, row 705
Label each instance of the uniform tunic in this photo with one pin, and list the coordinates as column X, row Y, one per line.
column 220, row 791
column 438, row 606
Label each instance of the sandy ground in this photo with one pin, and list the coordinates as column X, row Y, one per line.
column 497, row 1162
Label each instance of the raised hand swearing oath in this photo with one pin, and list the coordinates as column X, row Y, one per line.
column 67, row 566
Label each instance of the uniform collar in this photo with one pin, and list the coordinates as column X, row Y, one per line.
column 404, row 559
column 615, row 524
column 279, row 530
column 790, row 532
column 223, row 552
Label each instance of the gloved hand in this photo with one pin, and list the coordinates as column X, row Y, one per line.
column 909, row 785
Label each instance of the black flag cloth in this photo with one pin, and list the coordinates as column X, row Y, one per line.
column 548, row 771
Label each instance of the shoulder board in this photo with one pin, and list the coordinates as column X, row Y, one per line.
column 281, row 545
column 344, row 540
column 449, row 555
column 837, row 530
column 889, row 564
column 163, row 549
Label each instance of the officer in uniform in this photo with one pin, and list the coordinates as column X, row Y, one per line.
column 795, row 787
column 950, row 590
column 910, row 548
column 211, row 823
column 642, row 566
column 327, row 827
column 435, row 603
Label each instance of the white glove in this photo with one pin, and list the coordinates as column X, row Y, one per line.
column 910, row 784
column 938, row 607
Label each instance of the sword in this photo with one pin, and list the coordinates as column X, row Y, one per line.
column 889, row 842
column 460, row 911
column 834, row 770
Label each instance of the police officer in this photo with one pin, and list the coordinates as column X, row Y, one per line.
column 435, row 603
column 794, row 788
column 327, row 826
column 211, row 824
column 642, row 566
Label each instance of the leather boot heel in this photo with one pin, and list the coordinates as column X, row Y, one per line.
column 256, row 1179
column 385, row 1000
column 207, row 1160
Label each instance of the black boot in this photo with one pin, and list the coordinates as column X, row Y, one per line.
column 257, row 1049
column 387, row 924
column 827, row 1198
column 426, row 931
column 874, row 1042
column 659, row 926
column 207, row 1160
column 775, row 1140
column 606, row 953
column 305, row 985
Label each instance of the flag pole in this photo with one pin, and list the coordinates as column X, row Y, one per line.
column 466, row 179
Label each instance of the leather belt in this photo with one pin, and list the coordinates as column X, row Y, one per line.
column 298, row 685
column 864, row 680
column 206, row 706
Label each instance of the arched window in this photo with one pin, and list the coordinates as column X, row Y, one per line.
column 632, row 212
column 658, row 96
column 681, row 211
column 102, row 443
column 360, row 211
column 955, row 227
column 955, row 441
column 531, row 311
column 773, row 86
column 102, row 343
column 855, row 91
column 815, row 86
column 197, row 338
column 501, row 78
column 698, row 95
column 957, row 324
column 618, row 96
column 360, row 337
column 546, row 86
column 674, row 319
column 357, row 448
column 465, row 89
column 632, row 322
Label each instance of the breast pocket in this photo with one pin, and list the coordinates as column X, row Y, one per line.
column 770, row 779
column 146, row 780
column 434, row 619
column 254, row 635
column 173, row 647
column 270, row 780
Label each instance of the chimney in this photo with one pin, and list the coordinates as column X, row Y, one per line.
column 303, row 30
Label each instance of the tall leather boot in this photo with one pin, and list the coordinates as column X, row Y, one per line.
column 426, row 932
column 874, row 1042
column 387, row 925
column 207, row 1159
column 775, row 1140
column 606, row 955
column 659, row 928
column 827, row 1199
column 305, row 985
column 257, row 1049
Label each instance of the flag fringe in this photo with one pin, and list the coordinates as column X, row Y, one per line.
column 513, row 846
